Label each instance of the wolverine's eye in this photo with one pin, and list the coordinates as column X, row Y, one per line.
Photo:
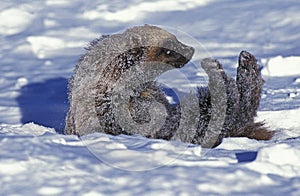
column 164, row 52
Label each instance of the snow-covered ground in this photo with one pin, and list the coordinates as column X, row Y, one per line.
column 40, row 44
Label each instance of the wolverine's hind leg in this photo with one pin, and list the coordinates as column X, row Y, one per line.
column 249, row 83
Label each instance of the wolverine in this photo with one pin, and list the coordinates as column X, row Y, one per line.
column 114, row 90
column 108, row 59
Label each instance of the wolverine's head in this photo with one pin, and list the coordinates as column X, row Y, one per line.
column 161, row 46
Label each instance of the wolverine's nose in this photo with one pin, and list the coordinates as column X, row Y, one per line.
column 189, row 52
column 186, row 51
column 186, row 54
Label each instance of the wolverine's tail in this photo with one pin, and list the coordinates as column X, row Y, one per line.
column 254, row 131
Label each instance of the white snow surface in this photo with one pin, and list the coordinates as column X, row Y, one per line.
column 40, row 44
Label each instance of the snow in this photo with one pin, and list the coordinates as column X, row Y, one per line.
column 40, row 44
column 14, row 21
column 134, row 11
column 280, row 66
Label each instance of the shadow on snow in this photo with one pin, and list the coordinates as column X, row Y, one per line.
column 45, row 103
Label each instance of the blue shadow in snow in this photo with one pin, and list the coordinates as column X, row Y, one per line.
column 244, row 157
column 45, row 103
